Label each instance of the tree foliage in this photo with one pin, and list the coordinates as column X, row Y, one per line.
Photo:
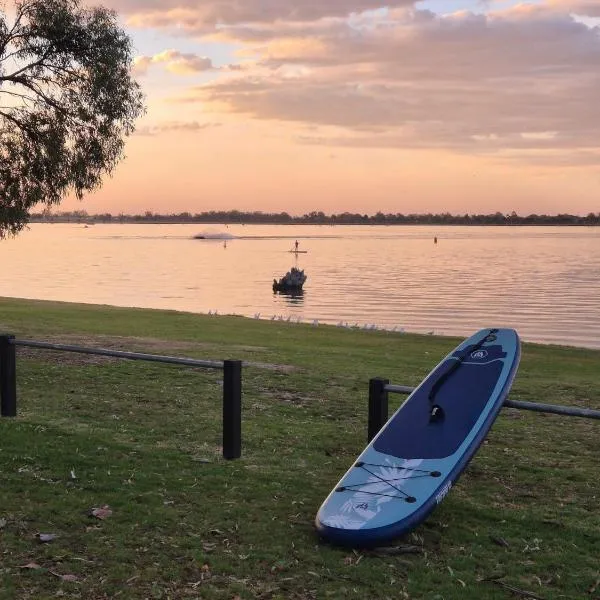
column 67, row 103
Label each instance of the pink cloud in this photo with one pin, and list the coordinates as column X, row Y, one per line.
column 175, row 62
column 174, row 126
column 201, row 16
column 480, row 82
column 588, row 8
column 400, row 77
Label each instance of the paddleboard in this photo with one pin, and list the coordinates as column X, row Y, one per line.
column 298, row 251
column 413, row 462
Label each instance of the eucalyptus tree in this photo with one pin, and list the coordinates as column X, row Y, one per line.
column 67, row 102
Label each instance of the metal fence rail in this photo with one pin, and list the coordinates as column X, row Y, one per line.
column 232, row 382
column 378, row 405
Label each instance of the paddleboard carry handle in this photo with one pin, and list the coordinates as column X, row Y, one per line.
column 436, row 412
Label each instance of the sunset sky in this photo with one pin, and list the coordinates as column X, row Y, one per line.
column 345, row 105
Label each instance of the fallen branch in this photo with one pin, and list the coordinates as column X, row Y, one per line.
column 515, row 590
column 403, row 549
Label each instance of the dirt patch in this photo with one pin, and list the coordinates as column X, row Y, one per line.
column 129, row 344
column 62, row 358
column 102, row 342
column 125, row 343
column 272, row 366
column 291, row 398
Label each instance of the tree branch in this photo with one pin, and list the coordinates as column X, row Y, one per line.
column 61, row 70
column 37, row 63
column 15, row 52
column 26, row 83
column 70, row 102
column 20, row 14
column 18, row 95
column 11, row 34
column 22, row 126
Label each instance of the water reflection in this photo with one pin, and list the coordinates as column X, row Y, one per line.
column 292, row 297
column 544, row 281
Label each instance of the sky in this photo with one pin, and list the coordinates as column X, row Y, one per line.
column 460, row 106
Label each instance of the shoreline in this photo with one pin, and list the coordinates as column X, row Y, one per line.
column 279, row 319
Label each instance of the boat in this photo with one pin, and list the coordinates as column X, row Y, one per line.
column 211, row 234
column 293, row 280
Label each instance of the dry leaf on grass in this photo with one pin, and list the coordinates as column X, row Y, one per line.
column 499, row 541
column 33, row 566
column 400, row 549
column 67, row 577
column 101, row 513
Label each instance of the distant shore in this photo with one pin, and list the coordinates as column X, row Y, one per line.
column 319, row 218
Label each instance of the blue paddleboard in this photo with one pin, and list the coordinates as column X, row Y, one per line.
column 412, row 463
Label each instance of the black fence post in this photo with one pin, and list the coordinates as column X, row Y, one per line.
column 8, row 377
column 378, row 406
column 232, row 409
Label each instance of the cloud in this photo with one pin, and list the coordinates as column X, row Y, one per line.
column 476, row 82
column 577, row 158
column 201, row 16
column 523, row 78
column 175, row 62
column 205, row 17
column 587, row 8
column 174, row 126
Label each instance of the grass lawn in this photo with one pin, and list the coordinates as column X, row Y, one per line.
column 143, row 439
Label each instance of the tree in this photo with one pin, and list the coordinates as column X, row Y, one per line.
column 67, row 103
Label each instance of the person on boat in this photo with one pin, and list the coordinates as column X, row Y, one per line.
column 296, row 246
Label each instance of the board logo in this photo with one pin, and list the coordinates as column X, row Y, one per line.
column 361, row 506
column 443, row 492
column 479, row 354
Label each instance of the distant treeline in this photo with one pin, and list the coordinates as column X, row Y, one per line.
column 318, row 218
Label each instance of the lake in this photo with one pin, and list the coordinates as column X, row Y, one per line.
column 543, row 281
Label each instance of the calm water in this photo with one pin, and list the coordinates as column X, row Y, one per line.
column 545, row 282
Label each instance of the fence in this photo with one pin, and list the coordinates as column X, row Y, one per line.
column 232, row 382
column 378, row 405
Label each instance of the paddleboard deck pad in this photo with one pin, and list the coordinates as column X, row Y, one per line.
column 412, row 463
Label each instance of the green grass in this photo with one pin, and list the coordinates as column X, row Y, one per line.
column 145, row 439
